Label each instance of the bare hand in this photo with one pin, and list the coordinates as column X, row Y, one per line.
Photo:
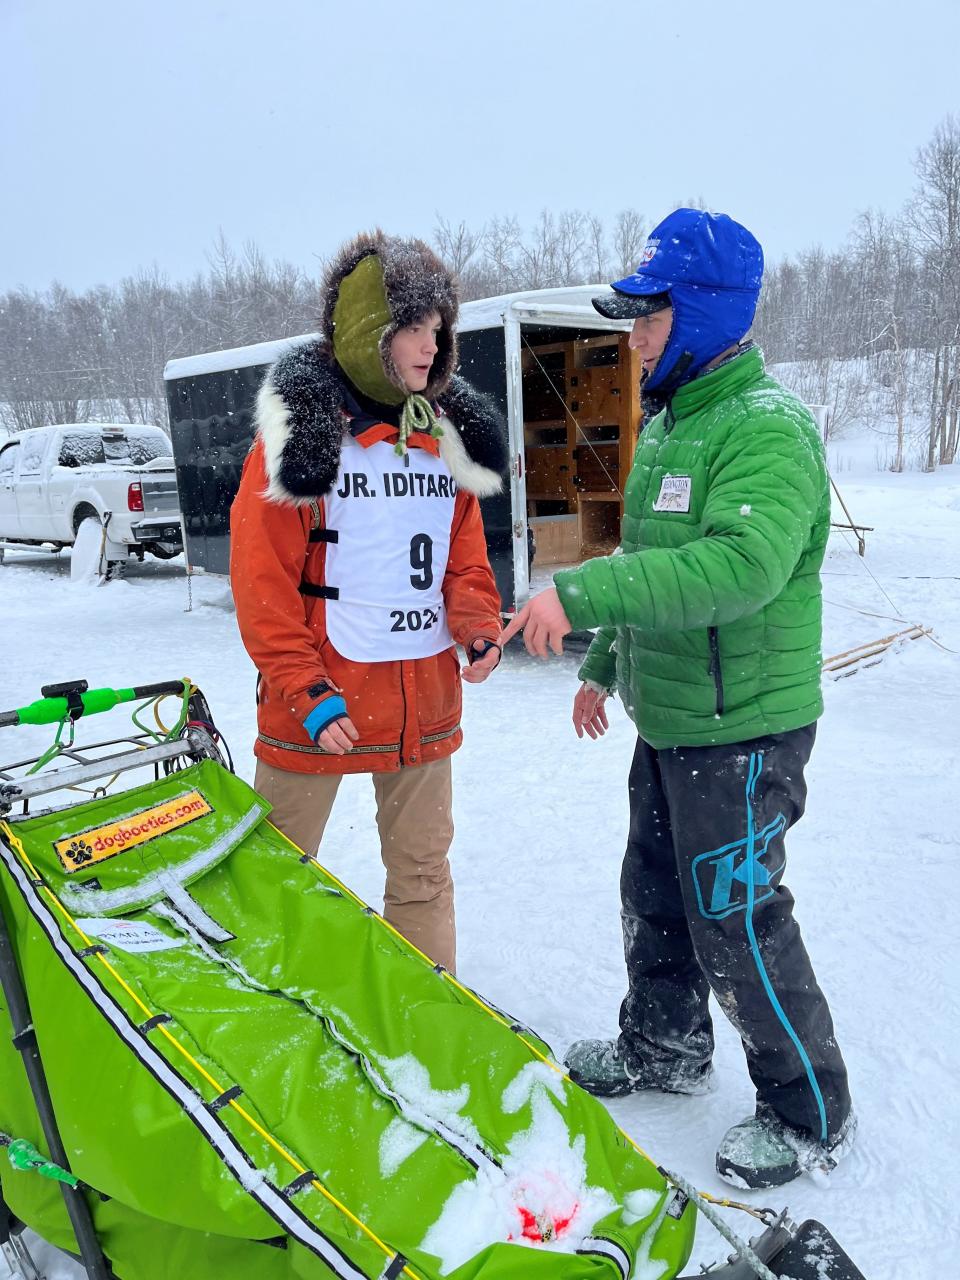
column 543, row 622
column 480, row 668
column 338, row 738
column 589, row 713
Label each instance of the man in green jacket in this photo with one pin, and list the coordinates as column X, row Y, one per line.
column 709, row 620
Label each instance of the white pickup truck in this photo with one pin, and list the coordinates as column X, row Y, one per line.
column 118, row 475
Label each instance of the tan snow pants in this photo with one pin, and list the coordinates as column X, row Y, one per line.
column 415, row 820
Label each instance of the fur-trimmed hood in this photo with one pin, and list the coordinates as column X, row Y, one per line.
column 412, row 282
column 300, row 419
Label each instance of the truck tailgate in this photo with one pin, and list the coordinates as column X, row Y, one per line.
column 159, row 494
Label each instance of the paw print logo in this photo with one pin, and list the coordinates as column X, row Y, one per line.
column 79, row 853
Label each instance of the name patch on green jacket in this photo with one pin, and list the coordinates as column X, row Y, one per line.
column 674, row 494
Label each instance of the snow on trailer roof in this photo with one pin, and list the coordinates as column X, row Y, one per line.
column 570, row 305
column 567, row 307
column 232, row 358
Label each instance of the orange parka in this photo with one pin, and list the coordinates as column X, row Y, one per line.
column 406, row 712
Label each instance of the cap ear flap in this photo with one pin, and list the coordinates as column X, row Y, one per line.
column 672, row 354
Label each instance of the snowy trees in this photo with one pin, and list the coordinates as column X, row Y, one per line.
column 889, row 299
column 65, row 356
column 934, row 217
column 568, row 247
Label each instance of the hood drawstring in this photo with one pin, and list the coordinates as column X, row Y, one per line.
column 418, row 415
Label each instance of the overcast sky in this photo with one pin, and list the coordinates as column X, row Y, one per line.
column 132, row 131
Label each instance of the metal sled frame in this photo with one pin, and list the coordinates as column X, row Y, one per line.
column 12, row 1247
column 195, row 744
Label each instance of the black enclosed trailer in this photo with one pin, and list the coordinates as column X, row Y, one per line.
column 564, row 377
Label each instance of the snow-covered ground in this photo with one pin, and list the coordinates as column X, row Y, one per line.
column 541, row 823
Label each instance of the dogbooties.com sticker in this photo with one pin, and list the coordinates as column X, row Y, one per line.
column 77, row 852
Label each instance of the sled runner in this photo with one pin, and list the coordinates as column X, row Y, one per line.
column 216, row 1060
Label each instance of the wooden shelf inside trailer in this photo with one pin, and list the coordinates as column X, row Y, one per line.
column 581, row 401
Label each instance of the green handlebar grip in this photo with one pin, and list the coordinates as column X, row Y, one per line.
column 53, row 710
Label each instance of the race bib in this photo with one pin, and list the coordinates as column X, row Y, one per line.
column 392, row 517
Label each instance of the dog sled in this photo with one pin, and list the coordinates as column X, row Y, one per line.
column 217, row 1060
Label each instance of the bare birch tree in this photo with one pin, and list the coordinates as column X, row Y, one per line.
column 934, row 218
column 629, row 237
column 457, row 245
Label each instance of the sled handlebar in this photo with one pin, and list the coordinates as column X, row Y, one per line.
column 73, row 699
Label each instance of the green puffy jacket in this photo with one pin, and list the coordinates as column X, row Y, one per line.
column 710, row 612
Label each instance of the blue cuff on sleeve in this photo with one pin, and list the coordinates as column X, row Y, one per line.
column 323, row 714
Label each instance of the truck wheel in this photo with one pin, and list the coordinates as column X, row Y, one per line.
column 88, row 562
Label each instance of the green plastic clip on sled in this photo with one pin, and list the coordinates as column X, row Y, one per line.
column 222, row 1062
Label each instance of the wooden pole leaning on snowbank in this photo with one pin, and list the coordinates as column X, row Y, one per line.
column 851, row 660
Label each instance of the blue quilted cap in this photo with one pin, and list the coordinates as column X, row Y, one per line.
column 709, row 269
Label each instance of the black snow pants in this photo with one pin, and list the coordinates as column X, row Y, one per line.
column 705, row 909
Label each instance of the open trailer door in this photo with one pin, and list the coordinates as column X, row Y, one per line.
column 572, row 391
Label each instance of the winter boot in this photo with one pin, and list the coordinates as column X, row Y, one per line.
column 764, row 1151
column 598, row 1067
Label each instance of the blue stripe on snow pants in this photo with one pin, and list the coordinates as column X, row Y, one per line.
column 705, row 909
